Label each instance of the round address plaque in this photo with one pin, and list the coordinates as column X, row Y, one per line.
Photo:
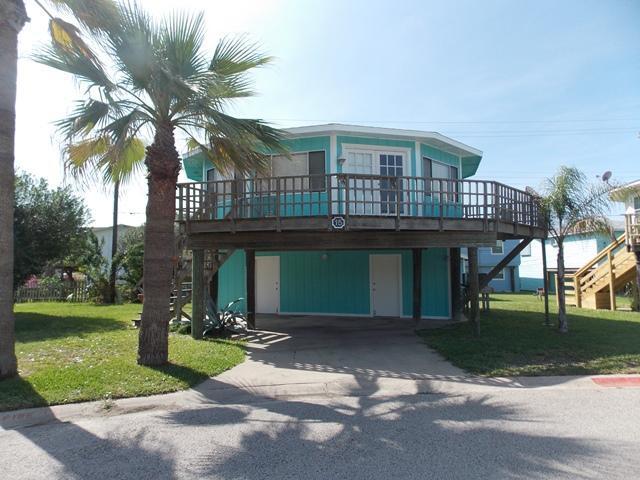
column 338, row 223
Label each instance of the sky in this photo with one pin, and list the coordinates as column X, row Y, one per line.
column 534, row 84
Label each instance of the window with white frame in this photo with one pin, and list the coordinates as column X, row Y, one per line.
column 436, row 170
column 499, row 275
column 359, row 162
column 300, row 165
column 636, row 204
column 498, row 248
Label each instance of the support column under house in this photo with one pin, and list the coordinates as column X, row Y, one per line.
column 197, row 294
column 474, row 290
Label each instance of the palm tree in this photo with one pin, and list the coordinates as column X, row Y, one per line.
column 572, row 204
column 114, row 163
column 13, row 16
column 155, row 78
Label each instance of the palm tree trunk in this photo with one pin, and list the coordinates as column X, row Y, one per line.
column 114, row 243
column 163, row 165
column 12, row 18
column 563, row 326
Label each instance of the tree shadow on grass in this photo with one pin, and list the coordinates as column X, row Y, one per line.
column 34, row 327
column 512, row 339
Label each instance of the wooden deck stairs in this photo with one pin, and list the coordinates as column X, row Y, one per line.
column 595, row 284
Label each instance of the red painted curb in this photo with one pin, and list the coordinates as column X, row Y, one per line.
column 617, row 381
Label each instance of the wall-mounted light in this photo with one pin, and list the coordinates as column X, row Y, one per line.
column 324, row 257
column 341, row 161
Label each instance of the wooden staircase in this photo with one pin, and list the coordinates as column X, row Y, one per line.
column 595, row 284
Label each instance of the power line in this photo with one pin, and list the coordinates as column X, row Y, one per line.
column 460, row 122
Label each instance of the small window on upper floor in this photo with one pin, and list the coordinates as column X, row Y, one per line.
column 434, row 169
column 301, row 165
column 636, row 204
column 498, row 249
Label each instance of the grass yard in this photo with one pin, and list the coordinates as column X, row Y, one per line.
column 75, row 352
column 514, row 340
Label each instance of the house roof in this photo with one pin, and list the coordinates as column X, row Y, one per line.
column 620, row 194
column 433, row 138
column 471, row 156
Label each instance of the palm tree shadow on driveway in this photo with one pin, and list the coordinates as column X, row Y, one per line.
column 237, row 431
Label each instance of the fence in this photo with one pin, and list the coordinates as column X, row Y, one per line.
column 71, row 291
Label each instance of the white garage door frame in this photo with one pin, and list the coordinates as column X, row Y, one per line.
column 267, row 284
column 390, row 310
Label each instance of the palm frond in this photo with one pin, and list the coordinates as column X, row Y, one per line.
column 234, row 55
column 95, row 15
column 75, row 62
column 85, row 116
column 181, row 39
column 241, row 144
column 133, row 46
column 67, row 37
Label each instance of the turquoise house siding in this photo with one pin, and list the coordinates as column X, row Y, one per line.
column 232, row 280
column 438, row 155
column 435, row 283
column 337, row 281
column 339, row 284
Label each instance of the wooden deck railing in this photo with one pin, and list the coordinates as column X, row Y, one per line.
column 596, row 273
column 632, row 231
column 356, row 195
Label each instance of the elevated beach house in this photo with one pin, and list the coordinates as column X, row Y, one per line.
column 356, row 221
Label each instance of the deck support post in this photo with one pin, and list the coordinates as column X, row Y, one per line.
column 197, row 294
column 474, row 289
column 612, row 283
column 637, row 292
column 250, row 255
column 545, row 283
column 212, row 286
column 417, row 284
column 454, row 268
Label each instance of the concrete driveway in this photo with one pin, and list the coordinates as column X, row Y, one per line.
column 337, row 398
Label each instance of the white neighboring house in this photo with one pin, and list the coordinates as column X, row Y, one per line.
column 105, row 236
column 579, row 248
column 629, row 194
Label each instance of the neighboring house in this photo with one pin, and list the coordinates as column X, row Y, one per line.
column 105, row 238
column 579, row 248
column 508, row 279
column 358, row 221
column 629, row 194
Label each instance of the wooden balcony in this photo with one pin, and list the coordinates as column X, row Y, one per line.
column 363, row 208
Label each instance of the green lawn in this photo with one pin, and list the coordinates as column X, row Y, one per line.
column 514, row 341
column 76, row 352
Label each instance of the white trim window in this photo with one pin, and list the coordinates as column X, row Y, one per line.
column 436, row 170
column 636, row 204
column 499, row 275
column 498, row 248
column 374, row 195
column 301, row 164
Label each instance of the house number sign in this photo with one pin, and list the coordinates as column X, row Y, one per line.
column 338, row 223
